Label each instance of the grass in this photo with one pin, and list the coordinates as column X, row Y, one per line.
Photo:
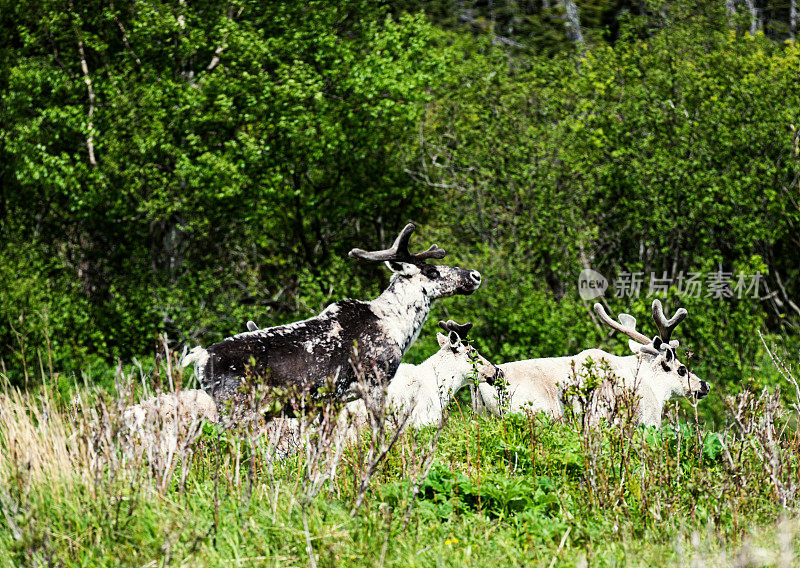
column 78, row 488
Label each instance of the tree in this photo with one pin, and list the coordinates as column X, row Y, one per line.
column 194, row 163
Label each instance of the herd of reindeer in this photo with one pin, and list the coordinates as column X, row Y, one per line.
column 354, row 349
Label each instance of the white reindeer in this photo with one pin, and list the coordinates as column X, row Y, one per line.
column 164, row 422
column 347, row 339
column 423, row 391
column 653, row 374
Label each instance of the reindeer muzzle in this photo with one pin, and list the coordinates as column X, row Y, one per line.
column 470, row 281
column 704, row 390
column 498, row 375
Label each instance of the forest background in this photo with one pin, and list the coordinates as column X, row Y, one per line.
column 181, row 167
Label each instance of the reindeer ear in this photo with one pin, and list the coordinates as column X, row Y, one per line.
column 634, row 346
column 455, row 340
column 649, row 349
column 442, row 339
column 402, row 268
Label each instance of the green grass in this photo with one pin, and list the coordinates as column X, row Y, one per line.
column 77, row 490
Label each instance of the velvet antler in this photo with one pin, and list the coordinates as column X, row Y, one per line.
column 461, row 329
column 399, row 251
column 626, row 324
column 666, row 326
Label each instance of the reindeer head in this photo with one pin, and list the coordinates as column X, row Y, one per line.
column 657, row 356
column 436, row 281
column 459, row 360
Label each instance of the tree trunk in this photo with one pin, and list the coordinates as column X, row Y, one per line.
column 89, row 89
column 754, row 22
column 730, row 8
column 573, row 22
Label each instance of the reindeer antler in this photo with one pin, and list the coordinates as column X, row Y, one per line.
column 666, row 326
column 461, row 329
column 626, row 324
column 399, row 250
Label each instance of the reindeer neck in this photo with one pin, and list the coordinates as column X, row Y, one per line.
column 648, row 382
column 490, row 396
column 420, row 381
column 436, row 379
column 402, row 309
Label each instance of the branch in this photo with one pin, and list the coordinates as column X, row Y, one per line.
column 88, row 80
column 215, row 60
column 220, row 48
column 424, row 179
column 783, row 292
column 781, row 366
column 125, row 36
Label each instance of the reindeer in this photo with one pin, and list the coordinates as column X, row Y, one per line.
column 423, row 391
column 653, row 373
column 348, row 338
column 165, row 422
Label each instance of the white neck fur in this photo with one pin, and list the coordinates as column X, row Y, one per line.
column 402, row 309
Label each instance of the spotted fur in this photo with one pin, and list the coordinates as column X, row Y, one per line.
column 348, row 337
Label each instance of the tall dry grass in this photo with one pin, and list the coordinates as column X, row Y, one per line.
column 208, row 485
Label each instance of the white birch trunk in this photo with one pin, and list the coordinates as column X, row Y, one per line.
column 754, row 20
column 90, row 91
column 572, row 22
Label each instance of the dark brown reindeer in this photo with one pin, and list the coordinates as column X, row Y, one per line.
column 348, row 337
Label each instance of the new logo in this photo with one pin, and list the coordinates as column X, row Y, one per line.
column 591, row 284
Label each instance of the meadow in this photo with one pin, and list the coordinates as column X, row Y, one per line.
column 171, row 170
column 80, row 488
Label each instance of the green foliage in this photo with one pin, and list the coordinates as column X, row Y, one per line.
column 520, row 489
column 241, row 150
column 496, row 495
column 221, row 191
column 637, row 158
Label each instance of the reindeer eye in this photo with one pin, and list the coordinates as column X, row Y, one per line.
column 682, row 371
column 430, row 271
